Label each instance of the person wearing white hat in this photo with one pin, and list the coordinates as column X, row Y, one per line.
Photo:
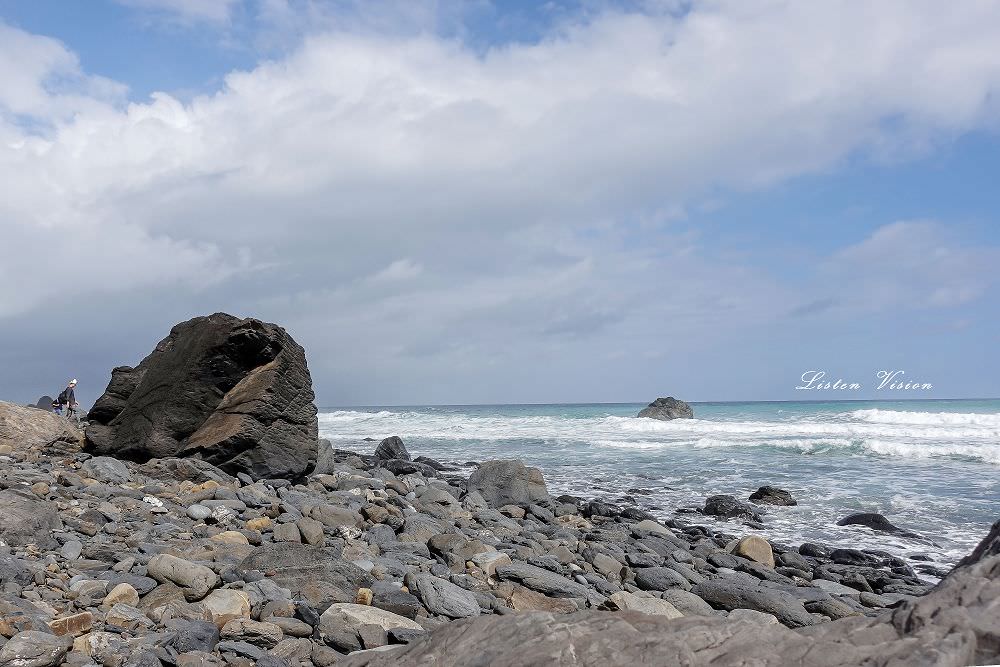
column 67, row 398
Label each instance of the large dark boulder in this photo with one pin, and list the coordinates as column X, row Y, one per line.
column 666, row 409
column 234, row 392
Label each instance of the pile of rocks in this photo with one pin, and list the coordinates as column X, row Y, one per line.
column 174, row 561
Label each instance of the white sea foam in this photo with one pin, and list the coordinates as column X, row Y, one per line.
column 928, row 418
column 863, row 432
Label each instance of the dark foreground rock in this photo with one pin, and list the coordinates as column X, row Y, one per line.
column 234, row 392
column 667, row 409
column 956, row 624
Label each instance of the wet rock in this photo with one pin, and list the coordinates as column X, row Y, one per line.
column 771, row 495
column 727, row 507
column 876, row 522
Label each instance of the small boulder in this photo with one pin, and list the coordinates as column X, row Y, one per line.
column 196, row 580
column 756, row 549
column 666, row 409
column 625, row 601
column 771, row 495
column 392, row 448
column 727, row 507
column 508, row 483
column 341, row 624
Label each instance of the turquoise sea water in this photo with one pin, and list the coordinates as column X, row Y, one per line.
column 930, row 466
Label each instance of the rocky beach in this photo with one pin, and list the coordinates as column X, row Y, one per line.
column 198, row 519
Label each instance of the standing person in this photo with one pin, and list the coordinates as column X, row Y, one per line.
column 67, row 399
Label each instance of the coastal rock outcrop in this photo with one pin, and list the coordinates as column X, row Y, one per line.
column 956, row 624
column 30, row 428
column 234, row 392
column 666, row 409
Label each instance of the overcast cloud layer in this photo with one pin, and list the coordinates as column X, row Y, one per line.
column 441, row 222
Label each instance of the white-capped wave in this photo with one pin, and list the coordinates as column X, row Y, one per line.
column 845, row 432
column 876, row 416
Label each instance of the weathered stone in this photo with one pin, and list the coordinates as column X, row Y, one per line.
column 106, row 469
column 24, row 428
column 286, row 532
column 226, row 604
column 508, row 482
column 340, row 624
column 730, row 595
column 196, row 580
column 309, row 572
column 26, row 519
column 625, row 601
column 236, row 393
column 33, row 648
column 443, row 597
column 262, row 634
column 311, row 531
column 756, row 549
column 74, row 625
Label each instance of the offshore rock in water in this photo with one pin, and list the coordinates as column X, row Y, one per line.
column 666, row 409
column 876, row 522
column 234, row 392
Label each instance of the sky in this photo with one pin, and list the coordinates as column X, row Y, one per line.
column 508, row 202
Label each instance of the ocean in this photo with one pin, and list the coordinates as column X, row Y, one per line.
column 930, row 466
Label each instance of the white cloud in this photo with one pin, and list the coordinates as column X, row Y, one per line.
column 531, row 190
column 911, row 264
